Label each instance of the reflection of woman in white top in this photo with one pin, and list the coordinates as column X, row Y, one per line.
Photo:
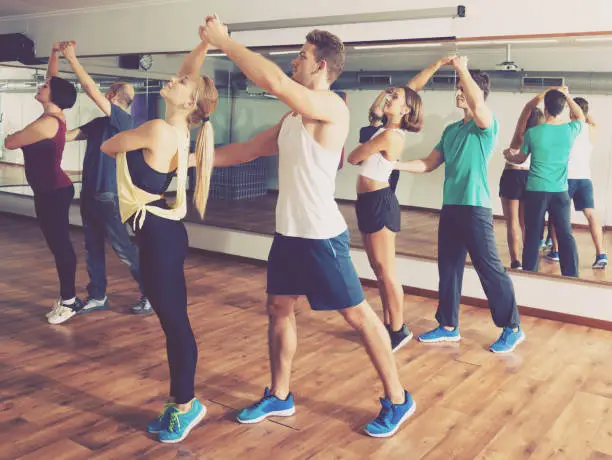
column 378, row 212
column 580, row 185
column 514, row 179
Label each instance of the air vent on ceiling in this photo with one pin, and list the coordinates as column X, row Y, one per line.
column 542, row 82
column 444, row 80
column 383, row 80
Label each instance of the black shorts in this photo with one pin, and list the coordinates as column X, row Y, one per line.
column 376, row 210
column 581, row 192
column 512, row 184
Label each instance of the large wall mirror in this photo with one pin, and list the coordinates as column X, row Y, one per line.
column 243, row 197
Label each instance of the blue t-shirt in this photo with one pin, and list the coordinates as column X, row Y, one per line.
column 99, row 170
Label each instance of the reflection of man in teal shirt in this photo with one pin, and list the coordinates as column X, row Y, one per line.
column 466, row 219
column 549, row 145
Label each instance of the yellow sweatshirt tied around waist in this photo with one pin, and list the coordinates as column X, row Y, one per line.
column 134, row 201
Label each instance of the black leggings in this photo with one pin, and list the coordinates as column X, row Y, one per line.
column 52, row 210
column 163, row 248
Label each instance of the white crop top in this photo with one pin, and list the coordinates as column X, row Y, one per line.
column 579, row 165
column 376, row 166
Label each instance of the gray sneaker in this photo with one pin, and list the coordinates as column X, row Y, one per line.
column 143, row 307
column 92, row 304
column 400, row 338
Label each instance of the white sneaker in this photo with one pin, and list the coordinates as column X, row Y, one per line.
column 62, row 313
column 57, row 304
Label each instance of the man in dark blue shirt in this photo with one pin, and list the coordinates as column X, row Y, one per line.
column 99, row 202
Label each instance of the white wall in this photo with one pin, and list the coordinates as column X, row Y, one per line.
column 136, row 27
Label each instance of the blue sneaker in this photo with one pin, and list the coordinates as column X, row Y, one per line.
column 601, row 261
column 390, row 418
column 161, row 422
column 553, row 256
column 508, row 340
column 181, row 423
column 440, row 334
column 268, row 406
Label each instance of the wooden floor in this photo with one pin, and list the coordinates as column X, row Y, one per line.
column 419, row 235
column 87, row 388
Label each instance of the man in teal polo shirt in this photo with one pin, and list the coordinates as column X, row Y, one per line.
column 466, row 219
column 549, row 145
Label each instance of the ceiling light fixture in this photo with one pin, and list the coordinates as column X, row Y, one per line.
column 278, row 53
column 396, row 45
column 506, row 42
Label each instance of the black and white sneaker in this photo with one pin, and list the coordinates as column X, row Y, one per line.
column 143, row 307
column 400, row 338
column 516, row 265
column 92, row 304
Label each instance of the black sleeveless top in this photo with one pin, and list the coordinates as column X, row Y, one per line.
column 146, row 178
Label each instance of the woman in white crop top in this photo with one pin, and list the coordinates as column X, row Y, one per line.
column 514, row 180
column 378, row 212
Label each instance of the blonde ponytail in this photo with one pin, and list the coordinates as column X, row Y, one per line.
column 205, row 158
column 207, row 98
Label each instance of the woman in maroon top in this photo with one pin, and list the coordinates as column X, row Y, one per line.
column 42, row 142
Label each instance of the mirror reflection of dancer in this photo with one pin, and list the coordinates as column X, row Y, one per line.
column 310, row 254
column 549, row 145
column 514, row 180
column 580, row 186
column 466, row 219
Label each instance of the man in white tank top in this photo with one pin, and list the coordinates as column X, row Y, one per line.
column 310, row 254
column 580, row 185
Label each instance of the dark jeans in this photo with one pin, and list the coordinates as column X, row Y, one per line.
column 163, row 248
column 52, row 209
column 100, row 214
column 393, row 179
column 463, row 230
column 558, row 206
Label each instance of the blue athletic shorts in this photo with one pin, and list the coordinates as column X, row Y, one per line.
column 581, row 192
column 321, row 270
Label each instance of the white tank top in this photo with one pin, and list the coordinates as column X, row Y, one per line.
column 306, row 207
column 579, row 166
column 525, row 164
column 376, row 166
